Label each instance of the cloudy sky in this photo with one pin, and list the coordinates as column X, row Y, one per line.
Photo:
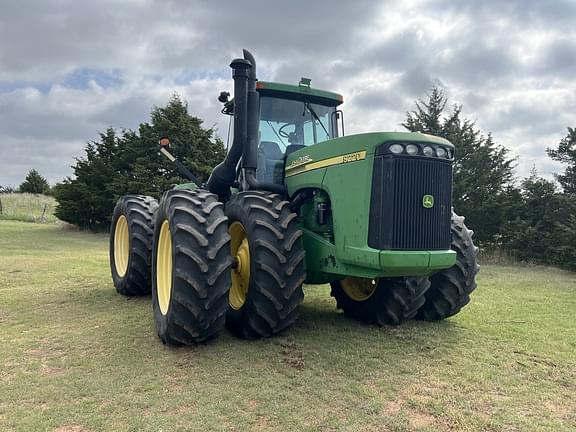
column 69, row 69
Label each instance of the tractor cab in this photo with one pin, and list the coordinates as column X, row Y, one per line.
column 292, row 117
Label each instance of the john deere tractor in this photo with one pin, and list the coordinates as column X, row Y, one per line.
column 294, row 202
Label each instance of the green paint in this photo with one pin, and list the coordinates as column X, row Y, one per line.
column 186, row 186
column 348, row 186
column 289, row 91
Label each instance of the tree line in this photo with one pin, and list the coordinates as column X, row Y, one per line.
column 532, row 219
column 34, row 183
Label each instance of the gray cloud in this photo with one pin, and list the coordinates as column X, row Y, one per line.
column 69, row 69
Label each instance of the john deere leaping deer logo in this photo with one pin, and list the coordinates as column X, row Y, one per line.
column 427, row 201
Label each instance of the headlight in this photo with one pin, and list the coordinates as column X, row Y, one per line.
column 441, row 152
column 428, row 151
column 396, row 148
column 412, row 149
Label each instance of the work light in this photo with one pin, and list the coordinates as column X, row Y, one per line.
column 396, row 148
column 441, row 152
column 412, row 149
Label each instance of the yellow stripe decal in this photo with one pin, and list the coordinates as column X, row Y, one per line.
column 336, row 160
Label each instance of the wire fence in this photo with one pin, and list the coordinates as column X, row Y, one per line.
column 27, row 207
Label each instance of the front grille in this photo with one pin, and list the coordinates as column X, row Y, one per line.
column 398, row 219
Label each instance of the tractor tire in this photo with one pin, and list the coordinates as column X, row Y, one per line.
column 131, row 236
column 190, row 267
column 268, row 270
column 380, row 301
column 450, row 288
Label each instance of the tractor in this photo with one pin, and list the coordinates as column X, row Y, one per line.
column 296, row 202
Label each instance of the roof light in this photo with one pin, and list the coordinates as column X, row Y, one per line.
column 304, row 82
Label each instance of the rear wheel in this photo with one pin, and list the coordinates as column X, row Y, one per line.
column 131, row 244
column 380, row 301
column 450, row 289
column 268, row 270
column 190, row 267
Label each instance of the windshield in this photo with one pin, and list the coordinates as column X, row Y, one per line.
column 291, row 122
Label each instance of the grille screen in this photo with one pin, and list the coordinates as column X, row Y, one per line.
column 398, row 219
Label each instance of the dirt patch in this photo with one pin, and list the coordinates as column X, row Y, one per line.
column 559, row 409
column 535, row 358
column 419, row 419
column 292, row 356
column 392, row 408
column 44, row 349
column 72, row 428
column 52, row 371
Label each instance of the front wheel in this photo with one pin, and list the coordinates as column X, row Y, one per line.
column 380, row 301
column 450, row 289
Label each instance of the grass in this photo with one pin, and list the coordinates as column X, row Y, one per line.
column 75, row 356
column 27, row 207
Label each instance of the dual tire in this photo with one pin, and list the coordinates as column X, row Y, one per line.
column 131, row 238
column 392, row 301
column 241, row 266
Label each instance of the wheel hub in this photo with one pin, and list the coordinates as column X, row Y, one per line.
column 121, row 246
column 359, row 289
column 240, row 251
column 164, row 268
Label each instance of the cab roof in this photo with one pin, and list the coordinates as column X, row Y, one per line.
column 299, row 92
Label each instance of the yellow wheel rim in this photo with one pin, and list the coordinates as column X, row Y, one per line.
column 359, row 289
column 164, row 267
column 241, row 269
column 121, row 246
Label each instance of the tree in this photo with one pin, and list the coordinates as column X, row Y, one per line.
column 566, row 153
column 483, row 171
column 34, row 183
column 128, row 162
column 7, row 189
column 544, row 230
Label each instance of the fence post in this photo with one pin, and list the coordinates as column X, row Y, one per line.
column 43, row 213
column 1, row 211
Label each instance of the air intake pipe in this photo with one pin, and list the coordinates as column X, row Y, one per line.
column 224, row 174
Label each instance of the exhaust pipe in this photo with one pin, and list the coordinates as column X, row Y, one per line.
column 246, row 129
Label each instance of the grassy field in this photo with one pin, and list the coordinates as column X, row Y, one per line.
column 27, row 207
column 75, row 356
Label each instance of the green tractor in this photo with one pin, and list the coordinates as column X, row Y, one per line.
column 294, row 202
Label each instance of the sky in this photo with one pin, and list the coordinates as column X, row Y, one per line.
column 70, row 69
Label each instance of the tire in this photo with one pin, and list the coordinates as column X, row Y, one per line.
column 131, row 236
column 190, row 267
column 380, row 301
column 450, row 289
column 269, row 265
